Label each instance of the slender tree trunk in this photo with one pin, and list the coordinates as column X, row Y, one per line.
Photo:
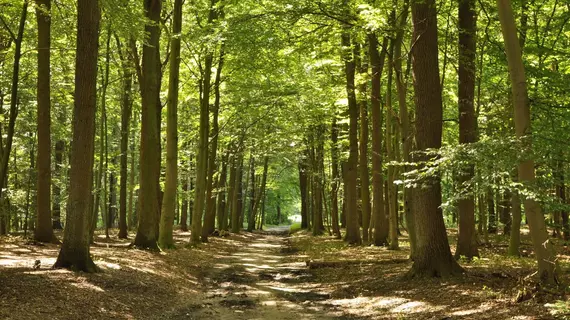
column 433, row 256
column 547, row 266
column 236, row 197
column 210, row 217
column 250, row 216
column 74, row 253
column 467, row 239
column 222, row 185
column 229, row 213
column 14, row 100
column 44, row 226
column 150, row 139
column 165, row 239
column 105, row 210
column 515, row 236
column 126, row 110
column 362, row 66
column 335, row 183
column 391, row 192
column 405, row 135
column 352, row 227
column 56, row 190
column 303, row 186
column 491, row 215
column 379, row 215
column 131, row 214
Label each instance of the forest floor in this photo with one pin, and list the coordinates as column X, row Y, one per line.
column 270, row 275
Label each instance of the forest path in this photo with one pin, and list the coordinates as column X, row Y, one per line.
column 261, row 281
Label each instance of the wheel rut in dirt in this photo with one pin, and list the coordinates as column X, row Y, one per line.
column 261, row 280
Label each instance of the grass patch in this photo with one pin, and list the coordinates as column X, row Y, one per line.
column 295, row 227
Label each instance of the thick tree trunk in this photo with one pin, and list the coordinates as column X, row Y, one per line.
column 150, row 139
column 432, row 256
column 165, row 238
column 378, row 213
column 44, row 225
column 74, row 253
column 352, row 227
column 547, row 266
column 467, row 239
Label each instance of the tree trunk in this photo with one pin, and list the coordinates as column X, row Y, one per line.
column 432, row 256
column 391, row 191
column 165, row 239
column 210, row 217
column 363, row 145
column 126, row 110
column 467, row 239
column 379, row 215
column 229, row 213
column 251, row 215
column 131, row 219
column 74, row 253
column 547, row 266
column 236, row 202
column 14, row 101
column 491, row 215
column 406, row 138
column 515, row 237
column 303, row 182
column 44, row 225
column 222, row 185
column 150, row 138
column 56, row 191
column 352, row 227
column 335, row 183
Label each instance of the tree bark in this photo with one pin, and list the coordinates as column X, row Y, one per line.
column 13, row 114
column 362, row 66
column 74, row 253
column 210, row 217
column 352, row 228
column 467, row 240
column 150, row 138
column 391, row 191
column 126, row 110
column 432, row 256
column 378, row 213
column 222, row 185
column 335, row 179
column 547, row 265
column 44, row 225
column 165, row 238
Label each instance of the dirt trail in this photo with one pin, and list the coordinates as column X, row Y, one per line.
column 260, row 281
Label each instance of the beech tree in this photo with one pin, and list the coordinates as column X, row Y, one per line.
column 74, row 252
